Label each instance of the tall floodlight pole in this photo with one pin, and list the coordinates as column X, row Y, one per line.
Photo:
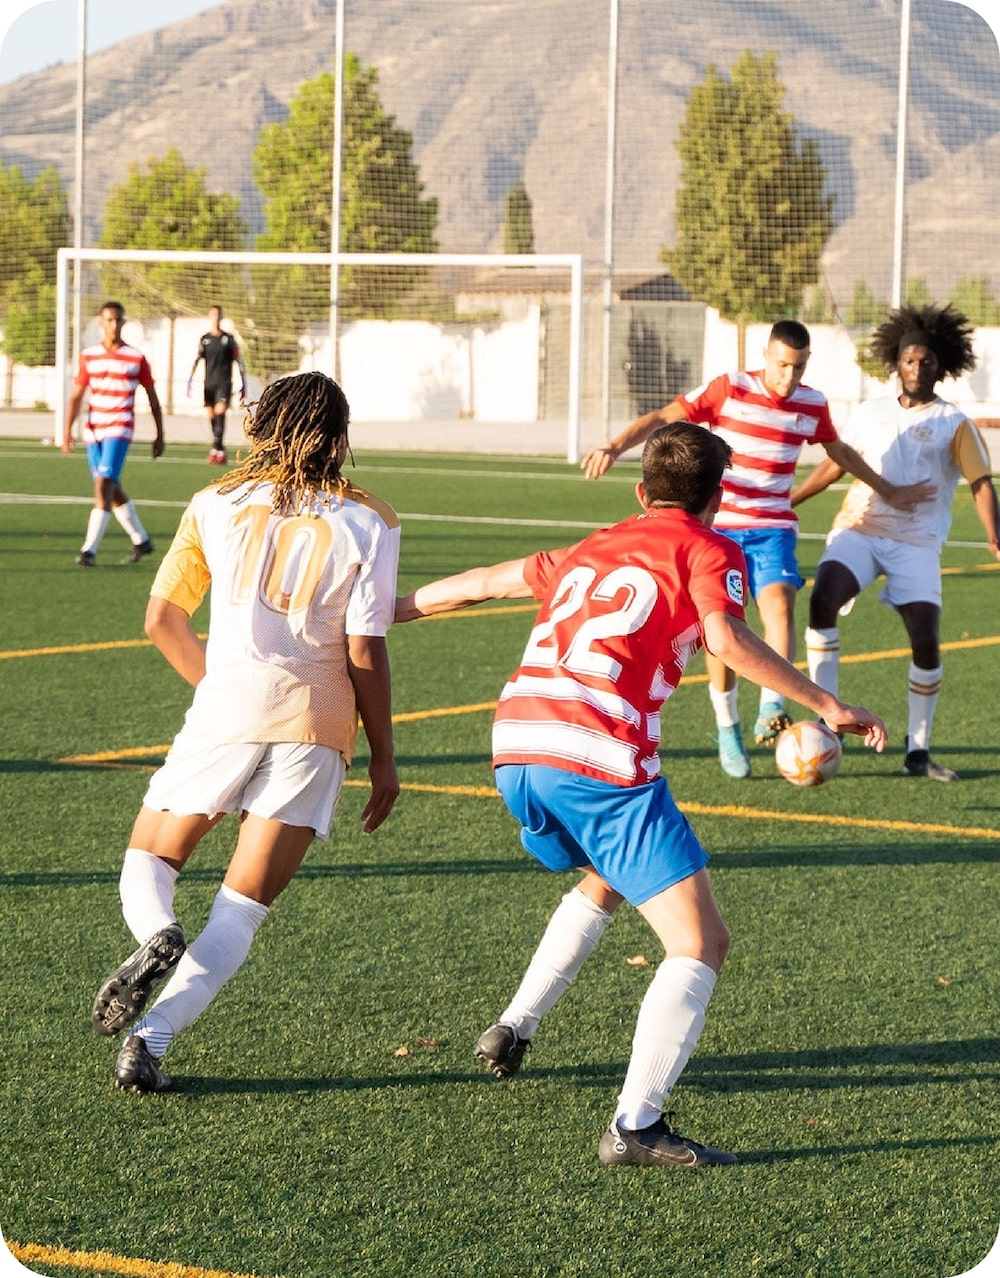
column 609, row 220
column 899, row 216
column 67, row 354
column 338, row 159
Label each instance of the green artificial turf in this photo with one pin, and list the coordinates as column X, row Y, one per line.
column 851, row 1053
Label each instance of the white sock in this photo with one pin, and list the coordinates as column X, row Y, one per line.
column 823, row 657
column 96, row 525
column 129, row 520
column 214, row 956
column 670, row 1020
column 574, row 929
column 924, row 689
column 768, row 697
column 146, row 887
column 724, row 704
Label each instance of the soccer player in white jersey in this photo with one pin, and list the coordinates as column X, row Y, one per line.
column 913, row 435
column 575, row 748
column 766, row 417
column 302, row 568
column 111, row 371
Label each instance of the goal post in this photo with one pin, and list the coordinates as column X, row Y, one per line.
column 469, row 336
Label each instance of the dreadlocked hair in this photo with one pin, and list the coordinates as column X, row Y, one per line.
column 297, row 430
column 948, row 333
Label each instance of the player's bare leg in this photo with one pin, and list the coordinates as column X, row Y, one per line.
column 776, row 604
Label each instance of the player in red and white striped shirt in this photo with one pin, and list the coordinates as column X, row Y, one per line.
column 111, row 371
column 575, row 756
column 766, row 417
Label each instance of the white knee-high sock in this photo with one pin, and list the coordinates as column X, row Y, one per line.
column 670, row 1021
column 146, row 887
column 97, row 523
column 924, row 689
column 823, row 657
column 574, row 929
column 724, row 704
column 214, row 956
column 129, row 520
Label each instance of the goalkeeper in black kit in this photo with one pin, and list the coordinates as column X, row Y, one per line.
column 220, row 351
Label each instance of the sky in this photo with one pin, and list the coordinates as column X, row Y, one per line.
column 36, row 35
column 39, row 33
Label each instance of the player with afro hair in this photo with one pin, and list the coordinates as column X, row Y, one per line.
column 915, row 435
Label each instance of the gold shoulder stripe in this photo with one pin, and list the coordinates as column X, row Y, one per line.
column 381, row 508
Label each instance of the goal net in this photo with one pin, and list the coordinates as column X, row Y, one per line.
column 556, row 130
column 490, row 343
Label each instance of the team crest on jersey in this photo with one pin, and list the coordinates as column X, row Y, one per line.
column 923, row 432
column 734, row 586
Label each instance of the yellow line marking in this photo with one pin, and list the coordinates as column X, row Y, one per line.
column 817, row 818
column 111, row 645
column 112, row 758
column 110, row 1263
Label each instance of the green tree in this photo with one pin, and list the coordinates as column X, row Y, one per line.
column 865, row 308
column 382, row 210
column 916, row 292
column 34, row 223
column 518, row 229
column 165, row 204
column 751, row 217
column 973, row 296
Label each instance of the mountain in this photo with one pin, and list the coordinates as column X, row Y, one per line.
column 496, row 90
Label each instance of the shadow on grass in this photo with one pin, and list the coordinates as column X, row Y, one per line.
column 873, row 1065
column 783, row 857
column 214, row 874
column 869, row 1147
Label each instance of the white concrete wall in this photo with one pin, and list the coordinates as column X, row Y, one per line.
column 413, row 371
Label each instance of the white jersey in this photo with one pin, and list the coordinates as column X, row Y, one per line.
column 285, row 593
column 934, row 441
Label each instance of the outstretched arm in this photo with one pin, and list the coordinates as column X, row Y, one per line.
column 750, row 657
column 497, row 581
column 368, row 667
column 899, row 496
column 600, row 460
column 819, row 478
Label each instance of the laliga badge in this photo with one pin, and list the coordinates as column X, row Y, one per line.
column 734, row 585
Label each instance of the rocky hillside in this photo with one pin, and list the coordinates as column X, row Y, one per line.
column 493, row 90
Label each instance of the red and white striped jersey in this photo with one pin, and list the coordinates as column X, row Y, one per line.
column 286, row 590
column 622, row 613
column 766, row 435
column 112, row 376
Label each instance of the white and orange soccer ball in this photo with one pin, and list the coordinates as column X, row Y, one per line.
column 808, row 753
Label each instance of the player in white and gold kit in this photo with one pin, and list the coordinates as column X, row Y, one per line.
column 916, row 436
column 302, row 568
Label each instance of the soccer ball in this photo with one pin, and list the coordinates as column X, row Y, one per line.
column 808, row 753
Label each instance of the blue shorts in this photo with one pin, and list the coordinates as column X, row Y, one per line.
column 770, row 556
column 635, row 837
column 107, row 457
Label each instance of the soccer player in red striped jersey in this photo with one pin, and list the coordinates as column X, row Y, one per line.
column 575, row 754
column 766, row 417
column 111, row 371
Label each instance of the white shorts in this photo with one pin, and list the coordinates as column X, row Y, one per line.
column 286, row 781
column 912, row 573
